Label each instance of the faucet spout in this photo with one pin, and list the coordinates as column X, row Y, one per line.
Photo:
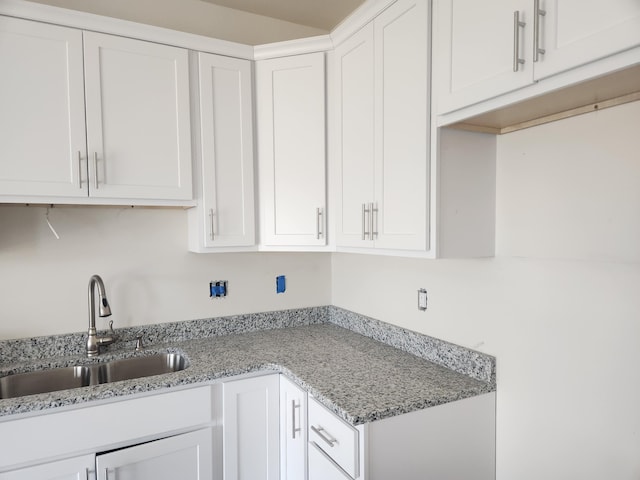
column 104, row 310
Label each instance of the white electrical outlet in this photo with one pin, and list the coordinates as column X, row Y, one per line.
column 422, row 299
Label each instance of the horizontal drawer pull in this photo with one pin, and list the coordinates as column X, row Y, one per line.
column 327, row 438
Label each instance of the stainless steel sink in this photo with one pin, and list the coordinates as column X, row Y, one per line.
column 43, row 381
column 53, row 379
column 137, row 367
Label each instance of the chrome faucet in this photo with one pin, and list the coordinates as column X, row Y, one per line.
column 94, row 341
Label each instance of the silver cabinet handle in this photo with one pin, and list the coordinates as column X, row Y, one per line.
column 517, row 61
column 211, row 229
column 319, row 214
column 106, row 473
column 80, row 170
column 537, row 13
column 95, row 170
column 374, row 221
column 365, row 211
column 329, row 439
column 294, row 430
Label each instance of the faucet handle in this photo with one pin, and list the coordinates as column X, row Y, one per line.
column 111, row 332
column 139, row 345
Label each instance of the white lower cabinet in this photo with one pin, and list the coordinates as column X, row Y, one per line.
column 334, row 445
column 321, row 467
column 293, row 431
column 144, row 437
column 250, row 428
column 187, row 457
column 77, row 468
column 454, row 441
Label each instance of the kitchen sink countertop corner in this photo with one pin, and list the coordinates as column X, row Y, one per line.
column 357, row 377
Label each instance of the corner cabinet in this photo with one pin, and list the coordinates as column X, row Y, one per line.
column 382, row 130
column 224, row 174
column 290, row 113
column 133, row 142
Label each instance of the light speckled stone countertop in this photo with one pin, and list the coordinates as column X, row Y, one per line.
column 357, row 377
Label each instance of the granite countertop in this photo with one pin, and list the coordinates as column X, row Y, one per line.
column 358, row 377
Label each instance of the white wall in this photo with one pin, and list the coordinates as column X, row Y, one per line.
column 195, row 16
column 142, row 256
column 559, row 306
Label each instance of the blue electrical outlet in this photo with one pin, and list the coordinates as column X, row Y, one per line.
column 281, row 285
column 218, row 289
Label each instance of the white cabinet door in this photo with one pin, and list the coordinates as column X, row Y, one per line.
column 77, row 468
column 290, row 96
column 382, row 131
column 354, row 137
column 225, row 213
column 575, row 32
column 402, row 128
column 42, row 133
column 138, row 119
column 293, row 431
column 187, row 457
column 250, row 428
column 476, row 41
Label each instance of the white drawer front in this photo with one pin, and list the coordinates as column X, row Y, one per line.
column 322, row 468
column 334, row 437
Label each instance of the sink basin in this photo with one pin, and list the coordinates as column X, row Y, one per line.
column 43, row 381
column 53, row 379
column 137, row 367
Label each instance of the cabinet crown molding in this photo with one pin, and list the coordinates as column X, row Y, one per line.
column 321, row 43
column 125, row 28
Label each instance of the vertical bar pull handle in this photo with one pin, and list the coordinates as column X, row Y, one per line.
column 517, row 61
column 95, row 170
column 319, row 222
column 79, row 170
column 537, row 13
column 365, row 223
column 106, row 473
column 211, row 229
column 374, row 221
column 294, row 430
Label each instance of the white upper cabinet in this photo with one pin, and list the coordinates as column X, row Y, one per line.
column 42, row 124
column 137, row 144
column 224, row 216
column 354, row 137
column 482, row 49
column 138, row 118
column 290, row 112
column 575, row 32
column 382, row 131
column 486, row 49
